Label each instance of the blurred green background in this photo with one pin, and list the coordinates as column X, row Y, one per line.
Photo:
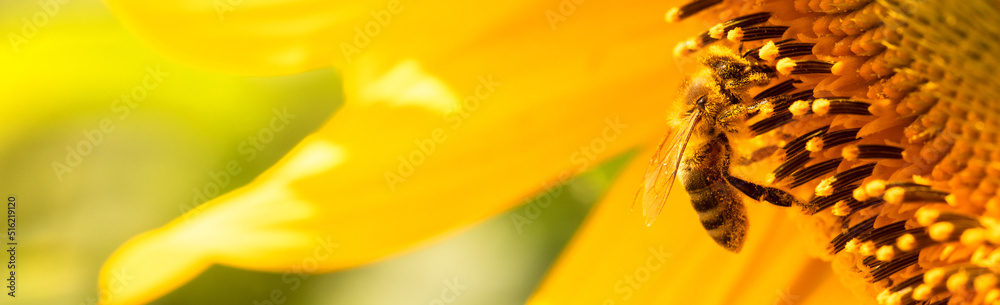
column 65, row 77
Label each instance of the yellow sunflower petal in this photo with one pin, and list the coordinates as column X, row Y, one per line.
column 274, row 37
column 269, row 37
column 434, row 140
column 88, row 107
column 830, row 292
column 616, row 259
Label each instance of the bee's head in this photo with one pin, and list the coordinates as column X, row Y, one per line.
column 727, row 65
column 701, row 91
column 733, row 71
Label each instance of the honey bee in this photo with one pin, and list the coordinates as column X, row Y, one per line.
column 717, row 103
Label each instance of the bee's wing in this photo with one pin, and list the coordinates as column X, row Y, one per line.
column 662, row 170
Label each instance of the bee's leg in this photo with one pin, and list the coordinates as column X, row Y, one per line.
column 740, row 111
column 732, row 113
column 756, row 107
column 758, row 155
column 763, row 193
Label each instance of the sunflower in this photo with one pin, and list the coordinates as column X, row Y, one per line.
column 882, row 111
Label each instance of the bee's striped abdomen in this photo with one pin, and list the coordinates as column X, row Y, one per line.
column 719, row 208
